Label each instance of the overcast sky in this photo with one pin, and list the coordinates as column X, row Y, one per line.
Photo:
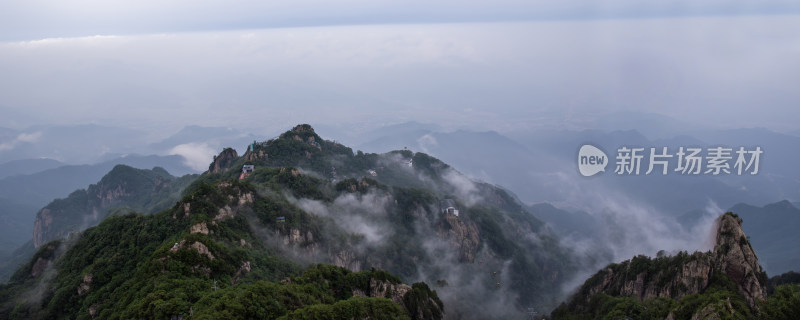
column 504, row 65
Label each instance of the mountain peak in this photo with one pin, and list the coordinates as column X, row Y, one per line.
column 781, row 206
column 223, row 161
column 731, row 267
column 735, row 257
column 303, row 131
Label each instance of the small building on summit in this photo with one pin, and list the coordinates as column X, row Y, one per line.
column 448, row 206
column 247, row 170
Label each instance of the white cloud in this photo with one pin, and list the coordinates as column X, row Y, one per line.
column 426, row 141
column 196, row 155
column 29, row 137
column 21, row 138
column 465, row 189
column 363, row 214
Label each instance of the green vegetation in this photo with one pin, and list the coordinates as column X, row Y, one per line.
column 783, row 304
column 605, row 307
column 321, row 292
column 123, row 189
column 136, row 266
column 786, row 278
column 221, row 247
column 720, row 297
column 422, row 298
column 354, row 308
column 784, row 297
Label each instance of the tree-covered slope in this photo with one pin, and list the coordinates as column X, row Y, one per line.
column 725, row 283
column 182, row 263
column 123, row 187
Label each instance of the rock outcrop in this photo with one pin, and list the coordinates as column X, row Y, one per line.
column 632, row 278
column 197, row 246
column 461, row 234
column 223, row 161
column 413, row 298
column 85, row 285
column 254, row 155
column 42, row 226
column 734, row 256
column 684, row 274
column 385, row 289
column 38, row 267
column 346, row 259
column 201, row 228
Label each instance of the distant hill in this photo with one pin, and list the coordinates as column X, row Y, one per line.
column 773, row 231
column 71, row 144
column 41, row 187
column 124, row 187
column 21, row 196
column 16, row 221
column 579, row 224
column 27, row 166
column 540, row 165
column 215, row 137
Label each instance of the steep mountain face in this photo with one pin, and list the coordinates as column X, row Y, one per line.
column 734, row 256
column 137, row 189
column 223, row 161
column 307, row 201
column 731, row 267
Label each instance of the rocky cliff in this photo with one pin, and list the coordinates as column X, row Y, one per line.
column 684, row 274
column 223, row 161
column 419, row 306
column 463, row 235
column 734, row 256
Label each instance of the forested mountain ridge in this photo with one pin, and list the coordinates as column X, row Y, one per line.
column 134, row 189
column 306, row 201
column 122, row 190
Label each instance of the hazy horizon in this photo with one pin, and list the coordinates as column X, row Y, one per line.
column 721, row 72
